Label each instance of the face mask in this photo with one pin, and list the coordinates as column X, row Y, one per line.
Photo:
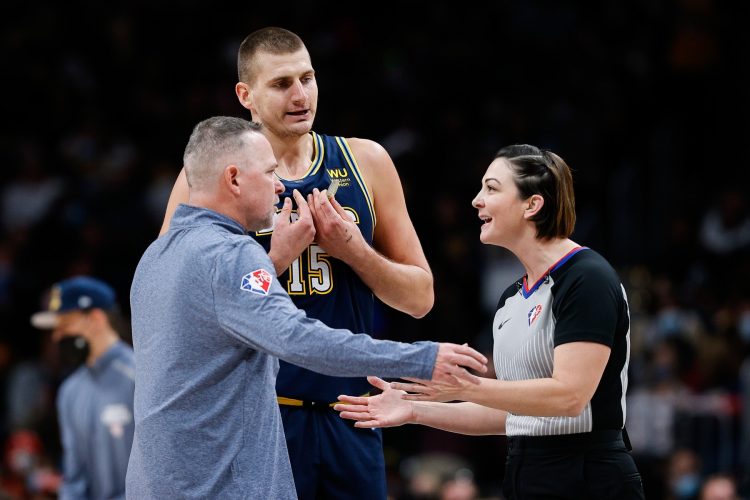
column 73, row 351
column 669, row 323
column 662, row 373
column 686, row 486
column 22, row 461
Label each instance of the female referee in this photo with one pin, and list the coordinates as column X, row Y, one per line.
column 561, row 349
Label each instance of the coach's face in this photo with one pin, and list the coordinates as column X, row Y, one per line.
column 257, row 185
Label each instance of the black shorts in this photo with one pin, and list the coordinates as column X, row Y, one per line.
column 592, row 465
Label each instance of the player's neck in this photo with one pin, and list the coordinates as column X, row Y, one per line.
column 294, row 154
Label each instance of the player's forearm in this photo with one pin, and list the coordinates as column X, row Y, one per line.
column 179, row 194
column 404, row 287
column 462, row 418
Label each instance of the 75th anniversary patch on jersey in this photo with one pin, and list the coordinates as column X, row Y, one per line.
column 258, row 281
column 534, row 313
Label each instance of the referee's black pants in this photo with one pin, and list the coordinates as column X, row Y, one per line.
column 592, row 465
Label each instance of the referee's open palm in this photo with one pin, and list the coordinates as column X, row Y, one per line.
column 387, row 409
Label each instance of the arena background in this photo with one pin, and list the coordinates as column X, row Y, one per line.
column 647, row 100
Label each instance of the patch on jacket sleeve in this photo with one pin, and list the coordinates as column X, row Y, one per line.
column 258, row 281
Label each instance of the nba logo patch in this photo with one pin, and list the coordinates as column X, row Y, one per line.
column 258, row 281
column 534, row 313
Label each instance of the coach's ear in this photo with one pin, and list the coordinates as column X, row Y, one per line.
column 229, row 179
column 244, row 94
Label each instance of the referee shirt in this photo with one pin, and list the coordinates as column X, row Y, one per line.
column 580, row 298
column 95, row 410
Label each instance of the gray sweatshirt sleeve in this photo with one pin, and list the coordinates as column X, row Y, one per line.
column 253, row 308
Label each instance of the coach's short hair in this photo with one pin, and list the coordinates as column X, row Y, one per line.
column 272, row 40
column 542, row 172
column 211, row 142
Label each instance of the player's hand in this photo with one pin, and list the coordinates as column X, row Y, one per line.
column 452, row 363
column 335, row 231
column 290, row 239
column 387, row 409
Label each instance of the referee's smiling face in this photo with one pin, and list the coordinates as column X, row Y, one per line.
column 499, row 205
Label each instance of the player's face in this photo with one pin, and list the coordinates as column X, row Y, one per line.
column 259, row 185
column 499, row 205
column 284, row 95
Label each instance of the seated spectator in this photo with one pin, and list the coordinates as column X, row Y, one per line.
column 719, row 487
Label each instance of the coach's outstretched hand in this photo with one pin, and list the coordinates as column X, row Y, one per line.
column 452, row 363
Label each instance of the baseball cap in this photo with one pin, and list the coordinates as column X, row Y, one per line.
column 80, row 292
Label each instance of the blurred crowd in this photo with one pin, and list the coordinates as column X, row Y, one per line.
column 641, row 98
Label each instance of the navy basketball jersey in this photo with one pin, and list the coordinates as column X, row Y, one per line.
column 325, row 287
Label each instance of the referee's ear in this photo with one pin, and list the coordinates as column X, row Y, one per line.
column 534, row 204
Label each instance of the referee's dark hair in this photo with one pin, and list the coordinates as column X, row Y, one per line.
column 542, row 172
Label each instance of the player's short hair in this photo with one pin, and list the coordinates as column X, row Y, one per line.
column 542, row 172
column 272, row 40
column 211, row 141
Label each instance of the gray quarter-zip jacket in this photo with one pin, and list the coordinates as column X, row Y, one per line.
column 210, row 321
